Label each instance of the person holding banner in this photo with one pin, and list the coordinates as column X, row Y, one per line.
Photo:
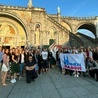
column 65, row 71
column 73, row 62
column 85, row 56
column 58, row 60
column 76, row 73
column 89, row 55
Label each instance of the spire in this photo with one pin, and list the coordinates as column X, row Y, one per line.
column 59, row 14
column 30, row 5
column 58, row 10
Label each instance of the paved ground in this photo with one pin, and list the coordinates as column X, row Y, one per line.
column 52, row 85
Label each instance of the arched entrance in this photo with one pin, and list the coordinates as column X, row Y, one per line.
column 87, row 29
column 12, row 31
column 87, row 33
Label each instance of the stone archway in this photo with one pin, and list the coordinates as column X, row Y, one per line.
column 66, row 25
column 12, row 30
column 88, row 26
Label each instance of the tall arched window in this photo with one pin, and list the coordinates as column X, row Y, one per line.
column 52, row 32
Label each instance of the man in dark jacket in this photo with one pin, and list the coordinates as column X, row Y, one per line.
column 30, row 69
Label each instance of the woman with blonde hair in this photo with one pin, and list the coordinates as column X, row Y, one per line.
column 15, row 64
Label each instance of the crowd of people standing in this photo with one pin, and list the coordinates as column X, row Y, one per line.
column 90, row 59
column 23, row 62
column 31, row 63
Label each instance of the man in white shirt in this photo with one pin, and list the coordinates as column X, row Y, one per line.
column 45, row 59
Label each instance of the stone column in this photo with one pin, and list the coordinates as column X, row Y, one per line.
column 96, row 30
column 37, row 37
column 96, row 25
column 28, row 39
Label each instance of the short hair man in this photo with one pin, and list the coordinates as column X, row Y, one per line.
column 30, row 69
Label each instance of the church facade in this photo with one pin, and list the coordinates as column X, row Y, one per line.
column 22, row 26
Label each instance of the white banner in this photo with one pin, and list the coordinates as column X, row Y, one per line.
column 73, row 61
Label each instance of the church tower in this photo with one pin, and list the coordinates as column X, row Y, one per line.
column 30, row 5
column 59, row 14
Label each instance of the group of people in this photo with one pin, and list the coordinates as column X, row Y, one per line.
column 90, row 59
column 29, row 63
column 24, row 62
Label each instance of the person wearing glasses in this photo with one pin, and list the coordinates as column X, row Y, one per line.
column 30, row 69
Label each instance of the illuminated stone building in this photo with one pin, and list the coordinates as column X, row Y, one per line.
column 21, row 26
